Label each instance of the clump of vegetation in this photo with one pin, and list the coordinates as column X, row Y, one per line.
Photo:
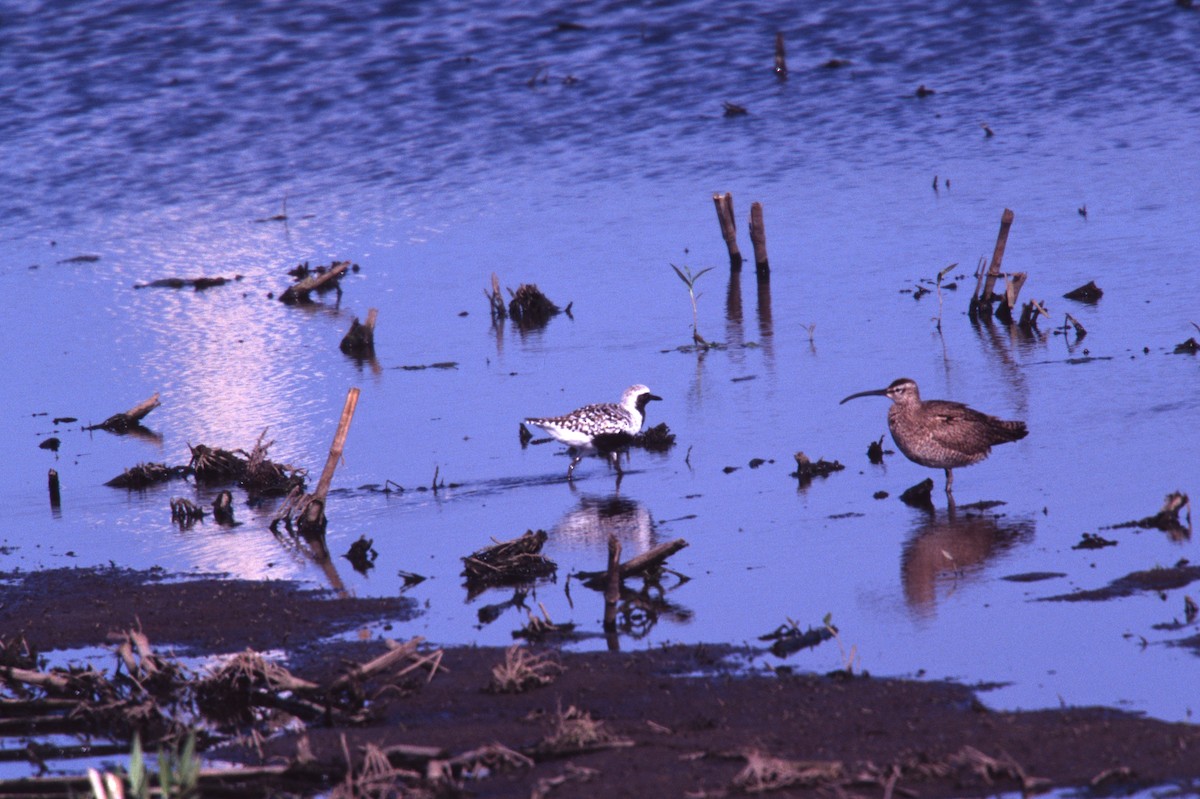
column 522, row 670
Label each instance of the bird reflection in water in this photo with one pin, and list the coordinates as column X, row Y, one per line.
column 595, row 518
column 952, row 547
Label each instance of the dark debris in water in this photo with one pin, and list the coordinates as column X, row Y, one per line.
column 362, row 554
column 1088, row 292
column 508, row 562
column 1189, row 347
column 195, row 283
column 875, row 451
column 920, row 495
column 807, row 469
column 438, row 365
column 789, row 638
column 530, row 308
column 1167, row 518
column 1094, row 541
column 1033, row 577
column 144, row 475
column 51, row 444
column 1156, row 580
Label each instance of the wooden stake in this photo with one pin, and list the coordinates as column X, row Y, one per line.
column 339, row 444
column 55, row 499
column 1006, row 220
column 724, row 204
column 612, row 588
column 758, row 236
column 780, row 57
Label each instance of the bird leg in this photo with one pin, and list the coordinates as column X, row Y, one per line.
column 571, row 469
column 949, row 487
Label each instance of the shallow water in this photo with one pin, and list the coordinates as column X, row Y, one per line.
column 410, row 141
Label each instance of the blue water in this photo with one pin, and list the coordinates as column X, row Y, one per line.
column 436, row 144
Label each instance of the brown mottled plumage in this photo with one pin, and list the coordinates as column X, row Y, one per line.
column 941, row 434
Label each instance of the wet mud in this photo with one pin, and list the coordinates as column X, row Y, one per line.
column 680, row 720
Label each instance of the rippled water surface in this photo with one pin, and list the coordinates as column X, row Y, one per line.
column 578, row 147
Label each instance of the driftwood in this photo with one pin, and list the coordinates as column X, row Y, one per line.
column 981, row 302
column 55, row 496
column 324, row 280
column 1089, row 292
column 642, row 565
column 781, row 69
column 122, row 422
column 508, row 562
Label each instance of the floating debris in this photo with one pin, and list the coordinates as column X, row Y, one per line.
column 52, row 443
column 1094, row 541
column 1089, row 292
column 836, row 63
column 438, row 365
column 789, row 638
column 184, row 512
column 923, row 91
column 362, row 554
column 196, row 283
column 130, row 419
column 530, row 308
column 1189, row 347
column 360, row 338
column 320, row 280
column 806, row 469
column 919, row 495
column 733, row 109
column 1167, row 519
column 223, row 509
column 875, row 451
column 658, row 438
column 81, row 259
column 508, row 562
column 144, row 475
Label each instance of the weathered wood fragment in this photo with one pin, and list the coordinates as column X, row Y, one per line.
column 724, row 204
column 360, row 339
column 758, row 237
column 299, row 292
column 121, row 422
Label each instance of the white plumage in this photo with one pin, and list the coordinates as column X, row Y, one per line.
column 581, row 427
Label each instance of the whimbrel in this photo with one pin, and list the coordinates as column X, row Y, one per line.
column 941, row 434
column 605, row 426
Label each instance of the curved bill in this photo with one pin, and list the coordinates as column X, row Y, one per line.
column 879, row 392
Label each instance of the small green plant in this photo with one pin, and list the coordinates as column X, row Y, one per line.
column 849, row 659
column 689, row 280
column 178, row 771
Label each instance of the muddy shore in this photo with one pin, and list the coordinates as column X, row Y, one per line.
column 674, row 721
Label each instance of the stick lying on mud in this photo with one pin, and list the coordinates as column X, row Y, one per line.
column 121, row 422
column 636, row 566
column 298, row 293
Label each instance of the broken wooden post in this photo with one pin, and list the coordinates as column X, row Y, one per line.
column 311, row 520
column 780, row 57
column 982, row 303
column 1012, row 290
column 298, row 292
column 612, row 586
column 223, row 508
column 360, row 339
column 758, row 236
column 122, row 422
column 724, row 204
column 55, row 499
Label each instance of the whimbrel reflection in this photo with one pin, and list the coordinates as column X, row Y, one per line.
column 949, row 548
column 594, row 519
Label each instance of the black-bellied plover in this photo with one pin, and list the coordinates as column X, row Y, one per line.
column 941, row 434
column 602, row 427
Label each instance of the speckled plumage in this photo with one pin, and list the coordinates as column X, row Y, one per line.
column 581, row 427
column 941, row 434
